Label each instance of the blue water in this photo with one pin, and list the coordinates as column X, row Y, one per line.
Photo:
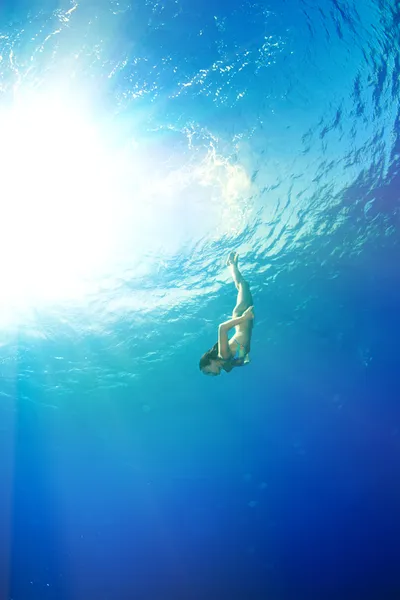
column 267, row 127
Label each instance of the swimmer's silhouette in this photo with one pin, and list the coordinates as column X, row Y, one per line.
column 229, row 353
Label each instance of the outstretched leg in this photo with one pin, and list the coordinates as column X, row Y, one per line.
column 244, row 297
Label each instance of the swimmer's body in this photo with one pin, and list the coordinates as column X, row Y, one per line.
column 229, row 353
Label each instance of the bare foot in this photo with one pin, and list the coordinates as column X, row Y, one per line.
column 232, row 259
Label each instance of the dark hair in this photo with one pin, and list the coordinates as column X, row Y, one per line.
column 208, row 356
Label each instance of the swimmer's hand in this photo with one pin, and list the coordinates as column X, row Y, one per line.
column 248, row 314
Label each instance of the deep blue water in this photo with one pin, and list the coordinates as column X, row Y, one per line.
column 267, row 127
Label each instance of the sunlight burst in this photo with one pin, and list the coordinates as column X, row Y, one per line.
column 56, row 197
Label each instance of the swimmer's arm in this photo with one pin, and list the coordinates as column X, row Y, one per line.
column 223, row 340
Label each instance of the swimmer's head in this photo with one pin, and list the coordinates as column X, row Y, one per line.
column 213, row 368
column 210, row 363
